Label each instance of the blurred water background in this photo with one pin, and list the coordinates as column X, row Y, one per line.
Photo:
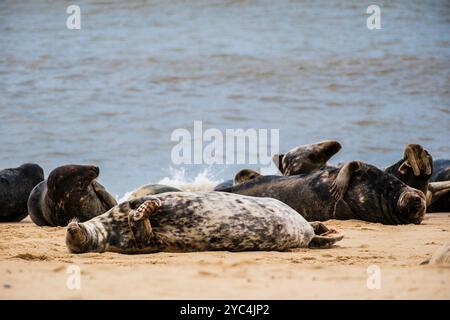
column 112, row 93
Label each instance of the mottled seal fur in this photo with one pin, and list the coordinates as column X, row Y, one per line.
column 197, row 221
column 151, row 189
column 15, row 187
column 441, row 256
column 240, row 177
column 354, row 191
column 69, row 192
column 306, row 158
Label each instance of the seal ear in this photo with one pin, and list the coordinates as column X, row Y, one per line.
column 278, row 160
column 324, row 237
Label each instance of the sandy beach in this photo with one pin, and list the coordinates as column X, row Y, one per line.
column 34, row 263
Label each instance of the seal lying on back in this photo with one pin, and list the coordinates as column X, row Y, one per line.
column 415, row 169
column 306, row 158
column 354, row 191
column 15, row 187
column 69, row 192
column 151, row 189
column 203, row 221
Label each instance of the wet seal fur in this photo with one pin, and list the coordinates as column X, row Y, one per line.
column 355, row 191
column 151, row 189
column 69, row 192
column 197, row 221
column 15, row 187
column 307, row 158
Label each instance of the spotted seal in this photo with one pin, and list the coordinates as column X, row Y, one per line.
column 306, row 158
column 15, row 187
column 197, row 221
column 354, row 191
column 69, row 192
column 150, row 189
column 441, row 256
column 242, row 176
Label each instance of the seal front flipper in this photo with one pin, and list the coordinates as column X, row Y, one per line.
column 324, row 237
column 418, row 159
column 139, row 222
column 340, row 185
column 107, row 199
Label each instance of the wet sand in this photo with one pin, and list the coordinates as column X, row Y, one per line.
column 34, row 263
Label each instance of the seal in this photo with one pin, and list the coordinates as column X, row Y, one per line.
column 440, row 187
column 15, row 187
column 355, row 191
column 151, row 189
column 240, row 177
column 307, row 158
column 441, row 256
column 69, row 192
column 198, row 221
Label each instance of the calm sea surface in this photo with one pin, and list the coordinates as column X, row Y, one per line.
column 112, row 93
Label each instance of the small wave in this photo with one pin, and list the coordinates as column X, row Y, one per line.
column 178, row 178
column 204, row 181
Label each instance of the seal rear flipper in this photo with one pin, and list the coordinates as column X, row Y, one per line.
column 340, row 185
column 139, row 221
column 107, row 199
column 323, row 236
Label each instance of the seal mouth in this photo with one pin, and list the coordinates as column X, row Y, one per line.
column 412, row 205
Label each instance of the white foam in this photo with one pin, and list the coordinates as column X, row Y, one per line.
column 204, row 181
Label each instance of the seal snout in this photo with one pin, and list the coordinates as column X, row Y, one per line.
column 413, row 204
column 76, row 237
column 95, row 171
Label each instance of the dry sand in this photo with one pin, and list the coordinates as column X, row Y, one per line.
column 34, row 262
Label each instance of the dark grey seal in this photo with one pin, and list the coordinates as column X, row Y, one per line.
column 440, row 187
column 203, row 221
column 354, row 191
column 15, row 187
column 69, row 192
